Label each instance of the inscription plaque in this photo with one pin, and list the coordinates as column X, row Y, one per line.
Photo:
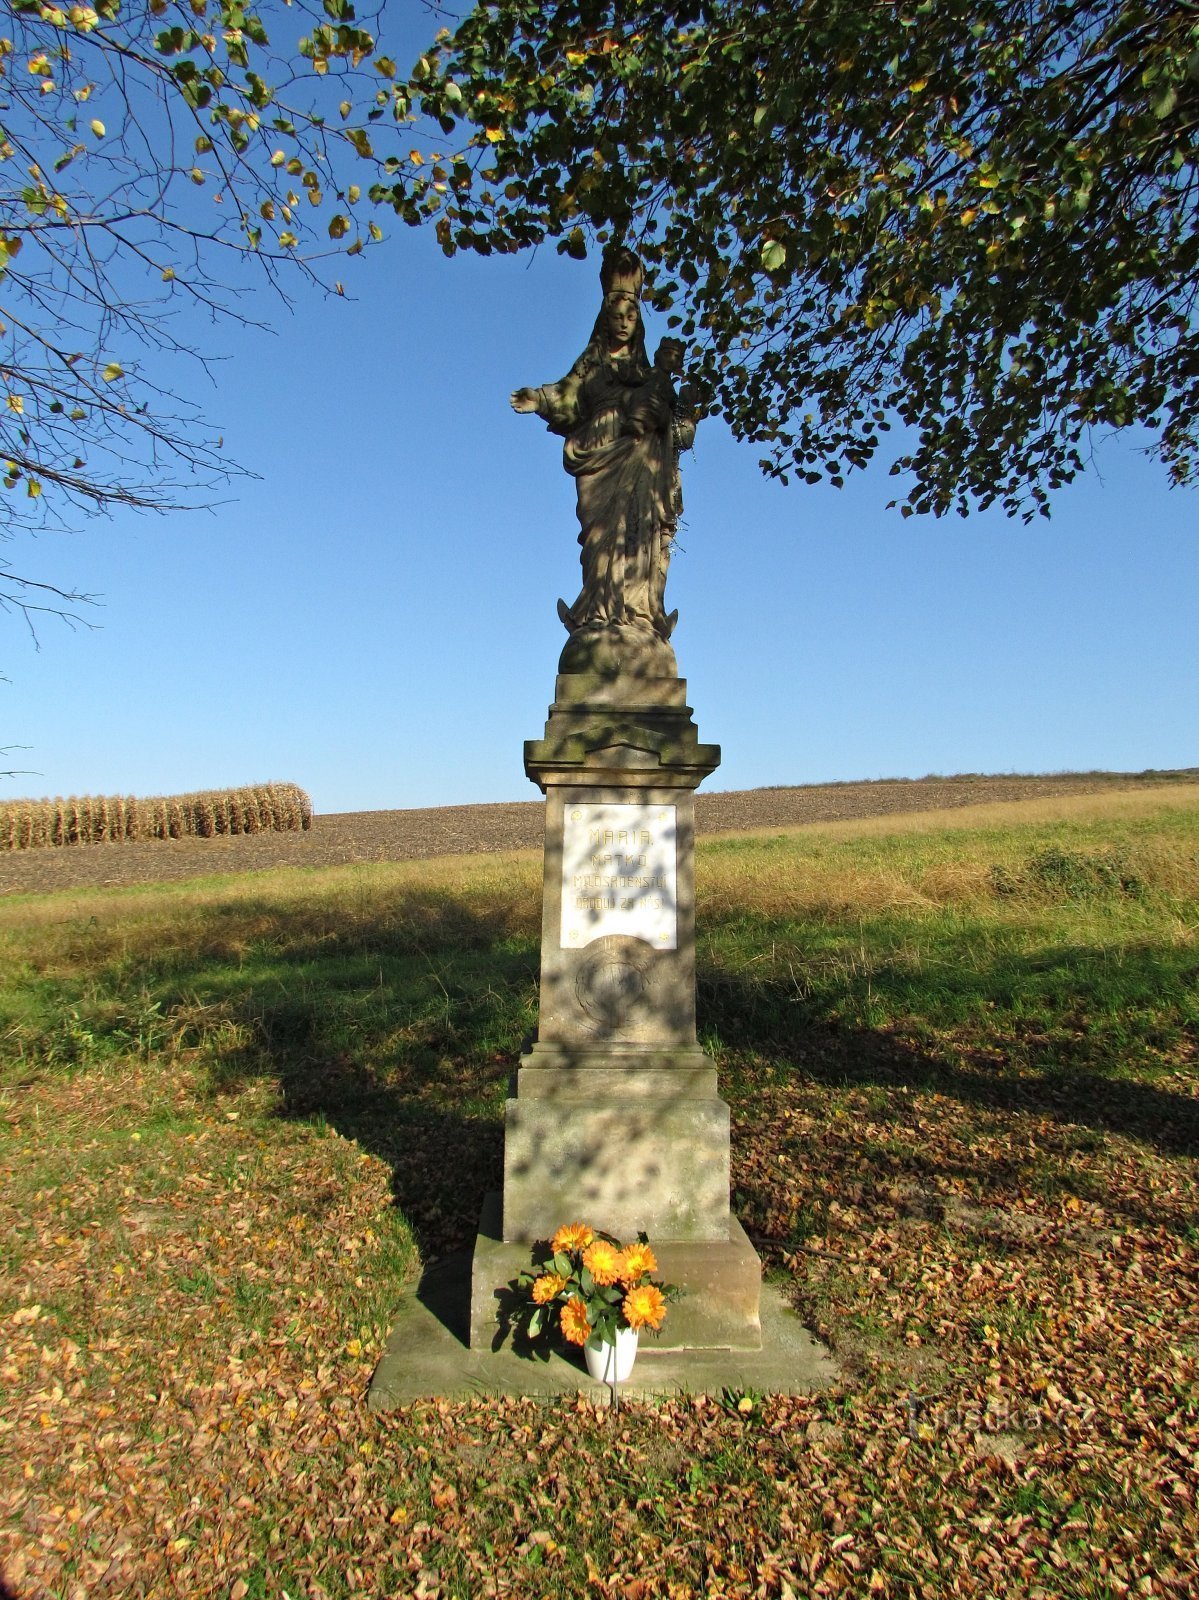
column 618, row 875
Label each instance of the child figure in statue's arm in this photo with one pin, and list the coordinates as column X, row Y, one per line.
column 668, row 361
column 654, row 405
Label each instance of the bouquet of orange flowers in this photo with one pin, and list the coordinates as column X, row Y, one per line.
column 593, row 1285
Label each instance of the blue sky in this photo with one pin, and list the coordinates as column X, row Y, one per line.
column 374, row 616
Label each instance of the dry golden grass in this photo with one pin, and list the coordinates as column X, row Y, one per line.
column 104, row 819
column 224, row 916
column 1128, row 804
column 946, row 859
column 936, row 862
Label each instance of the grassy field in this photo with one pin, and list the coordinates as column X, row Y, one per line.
column 961, row 1056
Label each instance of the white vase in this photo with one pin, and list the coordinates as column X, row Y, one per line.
column 612, row 1363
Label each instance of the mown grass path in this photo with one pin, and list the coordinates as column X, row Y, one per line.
column 961, row 1055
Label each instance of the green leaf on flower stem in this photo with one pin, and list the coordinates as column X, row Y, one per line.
column 561, row 1264
column 536, row 1323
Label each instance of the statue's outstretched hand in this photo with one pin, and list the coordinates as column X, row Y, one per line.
column 524, row 400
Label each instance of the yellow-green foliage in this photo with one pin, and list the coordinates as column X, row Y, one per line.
column 102, row 819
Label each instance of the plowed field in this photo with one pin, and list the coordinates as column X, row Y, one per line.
column 360, row 836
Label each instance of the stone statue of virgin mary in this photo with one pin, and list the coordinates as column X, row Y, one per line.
column 620, row 417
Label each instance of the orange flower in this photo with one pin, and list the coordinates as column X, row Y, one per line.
column 603, row 1261
column 547, row 1286
column 574, row 1321
column 635, row 1261
column 644, row 1307
column 572, row 1236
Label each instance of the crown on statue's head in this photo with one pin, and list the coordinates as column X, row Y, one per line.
column 621, row 272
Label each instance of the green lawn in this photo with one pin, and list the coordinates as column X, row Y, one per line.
column 961, row 1057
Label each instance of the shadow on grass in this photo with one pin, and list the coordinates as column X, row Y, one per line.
column 401, row 1027
column 1060, row 1033
column 398, row 1030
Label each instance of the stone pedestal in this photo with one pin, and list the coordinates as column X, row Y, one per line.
column 615, row 1119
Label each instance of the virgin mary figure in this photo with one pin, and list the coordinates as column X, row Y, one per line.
column 618, row 417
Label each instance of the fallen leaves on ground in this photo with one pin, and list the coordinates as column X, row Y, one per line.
column 195, row 1292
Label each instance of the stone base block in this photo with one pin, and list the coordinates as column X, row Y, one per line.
column 426, row 1356
column 620, row 721
column 616, row 1073
column 718, row 1309
column 721, row 1284
column 658, row 1165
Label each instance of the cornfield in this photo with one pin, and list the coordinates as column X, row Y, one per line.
column 107, row 819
